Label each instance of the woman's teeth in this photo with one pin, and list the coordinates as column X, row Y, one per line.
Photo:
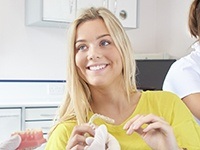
column 95, row 68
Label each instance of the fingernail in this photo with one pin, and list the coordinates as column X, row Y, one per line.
column 128, row 131
column 125, row 127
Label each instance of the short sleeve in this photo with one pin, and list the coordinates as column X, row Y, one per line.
column 186, row 130
column 182, row 80
column 60, row 136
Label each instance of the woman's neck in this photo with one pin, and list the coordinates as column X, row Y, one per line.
column 114, row 104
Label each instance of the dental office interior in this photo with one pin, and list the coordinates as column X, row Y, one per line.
column 33, row 50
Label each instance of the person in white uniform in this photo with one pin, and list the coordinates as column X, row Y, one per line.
column 183, row 77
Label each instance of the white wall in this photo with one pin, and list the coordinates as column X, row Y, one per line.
column 144, row 37
column 29, row 52
column 172, row 27
column 40, row 52
column 162, row 27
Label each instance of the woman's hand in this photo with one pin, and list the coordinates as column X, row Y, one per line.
column 77, row 138
column 157, row 133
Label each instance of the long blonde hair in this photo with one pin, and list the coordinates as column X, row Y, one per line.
column 76, row 105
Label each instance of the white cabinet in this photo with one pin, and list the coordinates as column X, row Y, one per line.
column 124, row 10
column 60, row 13
column 40, row 118
column 91, row 3
column 21, row 118
column 10, row 119
column 49, row 12
column 59, row 10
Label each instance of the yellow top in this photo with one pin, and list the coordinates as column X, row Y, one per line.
column 160, row 103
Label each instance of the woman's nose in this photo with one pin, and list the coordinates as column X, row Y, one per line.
column 94, row 53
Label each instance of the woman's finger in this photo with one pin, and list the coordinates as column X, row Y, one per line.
column 82, row 129
column 77, row 138
column 131, row 121
column 148, row 119
column 165, row 128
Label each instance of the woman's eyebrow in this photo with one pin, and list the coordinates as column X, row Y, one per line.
column 103, row 35
column 98, row 37
column 80, row 41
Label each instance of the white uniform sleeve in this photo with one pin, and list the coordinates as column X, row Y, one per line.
column 182, row 80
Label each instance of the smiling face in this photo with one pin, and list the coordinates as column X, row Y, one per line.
column 97, row 59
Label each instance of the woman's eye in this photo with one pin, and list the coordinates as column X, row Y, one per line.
column 104, row 43
column 81, row 47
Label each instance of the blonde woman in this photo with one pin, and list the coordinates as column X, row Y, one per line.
column 101, row 80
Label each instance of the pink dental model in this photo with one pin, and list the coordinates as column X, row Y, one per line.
column 30, row 139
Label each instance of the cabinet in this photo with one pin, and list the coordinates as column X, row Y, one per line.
column 49, row 12
column 10, row 119
column 125, row 11
column 59, row 10
column 21, row 118
column 89, row 3
column 39, row 118
column 59, row 13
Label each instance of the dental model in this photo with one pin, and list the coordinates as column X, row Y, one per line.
column 107, row 119
column 102, row 139
column 30, row 139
